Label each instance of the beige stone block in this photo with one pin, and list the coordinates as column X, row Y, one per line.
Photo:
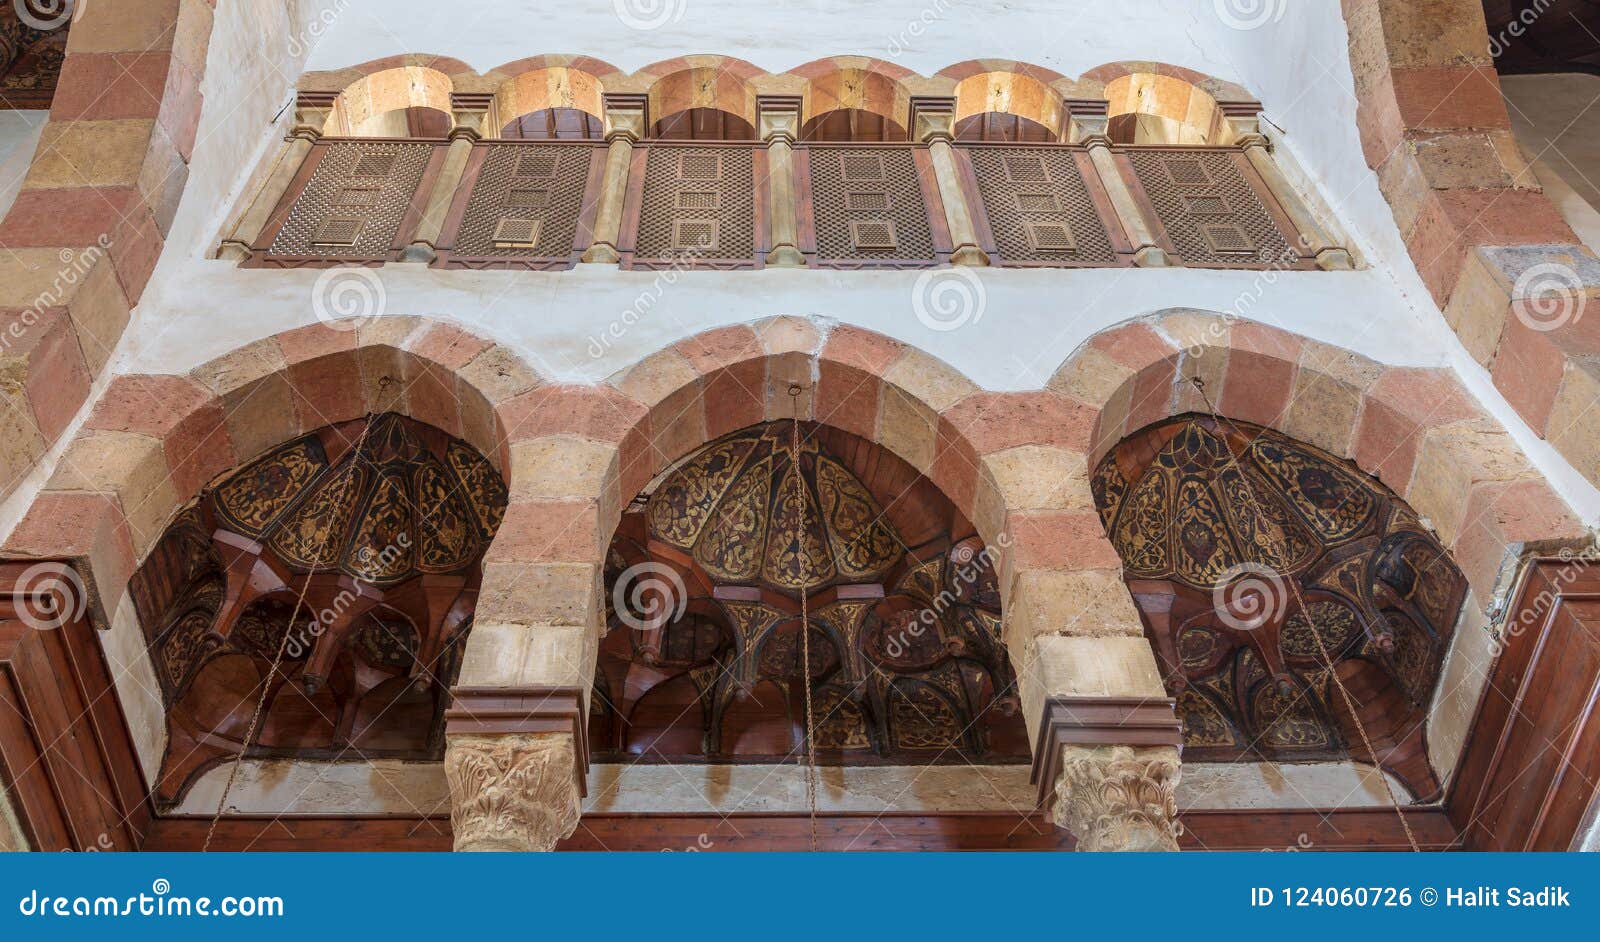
column 1574, row 426
column 1478, row 306
column 260, row 415
column 1084, row 603
column 930, row 381
column 132, row 466
column 1323, row 409
column 1091, row 375
column 388, row 331
column 540, row 593
column 23, row 443
column 562, row 466
column 784, row 370
column 100, row 314
column 239, row 368
column 511, row 655
column 788, row 334
column 499, row 374
column 657, row 377
column 1451, row 461
column 908, row 428
column 1061, row 666
column 36, row 278
column 90, row 153
column 1462, row 681
column 1039, row 477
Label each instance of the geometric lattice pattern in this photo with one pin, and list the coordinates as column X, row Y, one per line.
column 525, row 205
column 697, row 208
column 1039, row 208
column 354, row 203
column 868, row 208
column 1209, row 209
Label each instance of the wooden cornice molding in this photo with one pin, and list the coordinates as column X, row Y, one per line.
column 1099, row 721
column 499, row 711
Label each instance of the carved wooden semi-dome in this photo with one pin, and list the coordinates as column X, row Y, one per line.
column 372, row 531
column 1225, row 529
column 906, row 663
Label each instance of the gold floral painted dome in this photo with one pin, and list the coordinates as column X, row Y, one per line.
column 379, row 500
column 734, row 508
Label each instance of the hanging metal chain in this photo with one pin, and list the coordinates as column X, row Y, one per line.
column 1322, row 646
column 805, row 613
column 277, row 664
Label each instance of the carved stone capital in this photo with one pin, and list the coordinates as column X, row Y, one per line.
column 516, row 792
column 1119, row 798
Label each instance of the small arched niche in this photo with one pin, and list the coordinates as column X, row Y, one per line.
column 1154, row 109
column 549, row 104
column 410, row 101
column 1010, row 107
column 1299, row 609
column 702, row 660
column 349, row 559
column 703, row 103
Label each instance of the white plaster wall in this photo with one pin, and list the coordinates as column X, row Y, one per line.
column 19, row 136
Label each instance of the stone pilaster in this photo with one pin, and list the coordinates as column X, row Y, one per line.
column 933, row 122
column 625, row 125
column 311, row 116
column 470, row 113
column 1119, row 798
column 1244, row 130
column 779, row 117
column 512, row 792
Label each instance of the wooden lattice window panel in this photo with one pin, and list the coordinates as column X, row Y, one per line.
column 338, row 230
column 540, row 183
column 872, row 235
column 694, row 235
column 700, row 166
column 699, row 203
column 354, row 204
column 514, row 233
column 1209, row 208
column 523, row 197
column 1228, row 240
column 862, row 167
column 868, row 208
column 1050, row 237
column 1038, row 206
column 1026, row 168
column 1206, row 205
column 374, row 165
column 538, row 162
column 359, row 197
column 697, row 200
column 867, row 201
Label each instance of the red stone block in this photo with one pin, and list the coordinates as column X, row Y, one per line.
column 992, row 422
column 847, row 398
column 863, row 349
column 734, row 398
column 721, row 347
column 148, row 405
